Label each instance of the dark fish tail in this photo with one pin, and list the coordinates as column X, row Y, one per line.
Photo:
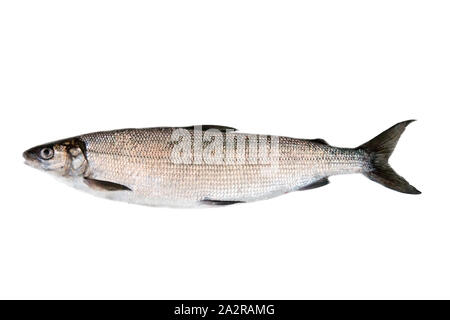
column 380, row 149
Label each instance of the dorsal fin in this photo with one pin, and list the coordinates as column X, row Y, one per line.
column 211, row 126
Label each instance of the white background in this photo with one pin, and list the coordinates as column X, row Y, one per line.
column 339, row 70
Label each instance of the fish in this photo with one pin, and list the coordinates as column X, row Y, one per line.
column 209, row 165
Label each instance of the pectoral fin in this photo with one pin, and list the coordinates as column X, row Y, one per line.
column 101, row 185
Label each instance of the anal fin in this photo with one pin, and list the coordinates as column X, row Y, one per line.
column 317, row 184
column 104, row 185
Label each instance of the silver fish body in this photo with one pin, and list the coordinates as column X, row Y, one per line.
column 188, row 167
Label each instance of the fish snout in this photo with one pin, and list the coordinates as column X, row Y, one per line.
column 35, row 156
column 29, row 154
column 32, row 158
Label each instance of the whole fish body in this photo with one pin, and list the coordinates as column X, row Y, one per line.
column 217, row 166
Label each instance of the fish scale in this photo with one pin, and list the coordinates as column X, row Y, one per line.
column 141, row 160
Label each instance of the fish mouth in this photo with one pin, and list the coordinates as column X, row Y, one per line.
column 31, row 154
column 31, row 158
column 28, row 155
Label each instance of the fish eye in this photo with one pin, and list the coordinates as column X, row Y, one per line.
column 46, row 153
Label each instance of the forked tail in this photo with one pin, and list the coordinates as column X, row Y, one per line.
column 380, row 149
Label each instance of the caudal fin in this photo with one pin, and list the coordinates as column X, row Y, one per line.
column 380, row 149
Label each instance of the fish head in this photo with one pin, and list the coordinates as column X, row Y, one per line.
column 62, row 158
